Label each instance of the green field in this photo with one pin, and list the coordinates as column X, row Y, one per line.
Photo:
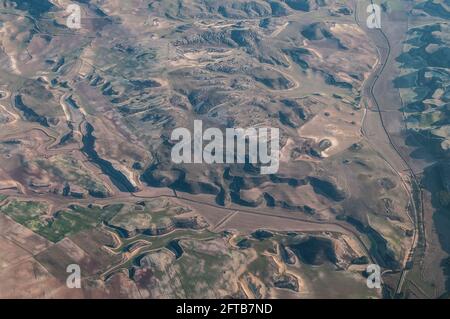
column 34, row 215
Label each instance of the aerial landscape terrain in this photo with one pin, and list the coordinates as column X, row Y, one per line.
column 87, row 175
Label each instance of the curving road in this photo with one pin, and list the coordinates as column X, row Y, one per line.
column 414, row 182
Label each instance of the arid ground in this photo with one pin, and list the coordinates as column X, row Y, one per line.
column 87, row 178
